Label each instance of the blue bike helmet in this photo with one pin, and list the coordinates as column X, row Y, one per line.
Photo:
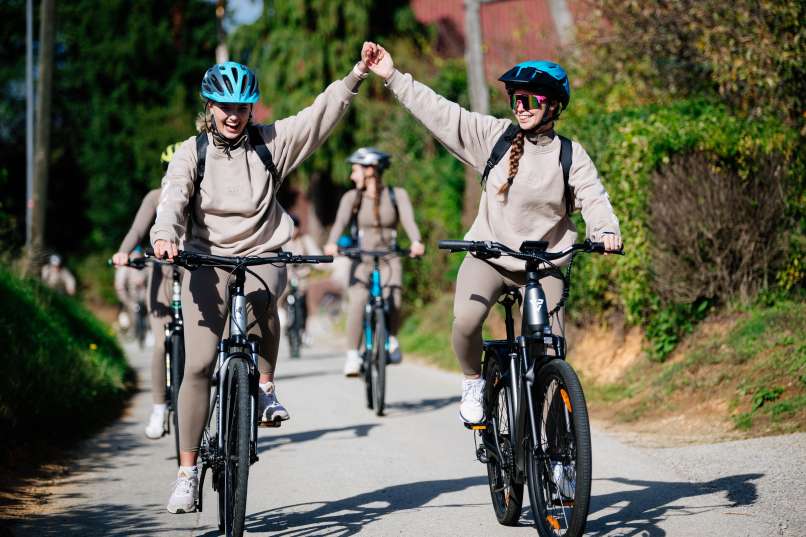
column 230, row 82
column 542, row 76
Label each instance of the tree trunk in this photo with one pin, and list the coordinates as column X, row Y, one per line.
column 563, row 22
column 479, row 98
column 42, row 151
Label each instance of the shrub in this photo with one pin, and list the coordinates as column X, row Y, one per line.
column 716, row 235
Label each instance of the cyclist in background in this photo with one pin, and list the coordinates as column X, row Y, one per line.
column 524, row 197
column 300, row 244
column 374, row 213
column 234, row 212
column 57, row 276
column 158, row 298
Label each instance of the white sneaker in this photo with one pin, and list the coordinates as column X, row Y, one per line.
column 395, row 354
column 472, row 409
column 269, row 408
column 352, row 366
column 156, row 423
column 565, row 479
column 183, row 497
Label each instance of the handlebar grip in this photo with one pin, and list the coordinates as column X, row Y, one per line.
column 597, row 247
column 318, row 258
column 455, row 245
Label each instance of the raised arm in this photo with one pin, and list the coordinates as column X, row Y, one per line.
column 293, row 139
column 469, row 136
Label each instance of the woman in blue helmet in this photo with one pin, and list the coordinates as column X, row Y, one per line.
column 234, row 212
column 523, row 198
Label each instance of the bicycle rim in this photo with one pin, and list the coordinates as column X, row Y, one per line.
column 559, row 472
column 505, row 491
column 236, row 449
column 379, row 364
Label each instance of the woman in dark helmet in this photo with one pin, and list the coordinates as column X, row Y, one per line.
column 375, row 212
column 234, row 212
column 159, row 298
column 523, row 198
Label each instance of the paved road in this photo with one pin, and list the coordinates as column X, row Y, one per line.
column 337, row 470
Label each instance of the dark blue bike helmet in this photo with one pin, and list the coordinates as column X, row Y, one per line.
column 539, row 76
column 230, row 82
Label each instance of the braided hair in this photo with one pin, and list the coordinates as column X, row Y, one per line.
column 515, row 155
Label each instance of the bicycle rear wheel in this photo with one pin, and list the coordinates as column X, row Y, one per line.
column 559, row 470
column 505, row 490
column 177, row 371
column 378, row 364
column 235, row 474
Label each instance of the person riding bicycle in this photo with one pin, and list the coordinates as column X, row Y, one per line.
column 56, row 276
column 300, row 244
column 158, row 302
column 234, row 211
column 374, row 226
column 524, row 196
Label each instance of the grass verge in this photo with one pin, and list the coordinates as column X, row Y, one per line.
column 63, row 374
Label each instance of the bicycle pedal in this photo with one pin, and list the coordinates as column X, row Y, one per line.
column 270, row 424
column 476, row 426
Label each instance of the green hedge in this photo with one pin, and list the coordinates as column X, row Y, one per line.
column 627, row 146
column 63, row 371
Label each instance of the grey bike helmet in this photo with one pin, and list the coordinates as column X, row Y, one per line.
column 369, row 156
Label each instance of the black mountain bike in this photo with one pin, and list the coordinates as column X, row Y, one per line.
column 536, row 421
column 229, row 445
column 174, row 349
column 375, row 353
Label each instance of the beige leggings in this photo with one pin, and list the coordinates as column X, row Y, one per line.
column 358, row 295
column 478, row 286
column 205, row 311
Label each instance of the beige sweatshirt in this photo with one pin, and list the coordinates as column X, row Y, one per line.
column 236, row 211
column 534, row 207
column 372, row 236
column 142, row 221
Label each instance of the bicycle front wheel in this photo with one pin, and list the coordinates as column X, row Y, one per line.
column 505, row 489
column 378, row 365
column 177, row 371
column 559, row 467
column 294, row 330
column 235, row 475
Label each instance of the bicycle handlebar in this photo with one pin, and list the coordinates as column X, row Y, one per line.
column 137, row 263
column 358, row 252
column 191, row 260
column 496, row 249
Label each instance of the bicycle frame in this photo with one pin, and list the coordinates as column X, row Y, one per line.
column 521, row 356
column 376, row 300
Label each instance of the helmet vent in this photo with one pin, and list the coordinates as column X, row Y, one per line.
column 228, row 83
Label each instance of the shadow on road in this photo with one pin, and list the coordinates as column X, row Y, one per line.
column 109, row 520
column 640, row 510
column 271, row 441
column 402, row 408
column 350, row 515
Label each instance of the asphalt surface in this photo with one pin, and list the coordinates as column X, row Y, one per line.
column 336, row 469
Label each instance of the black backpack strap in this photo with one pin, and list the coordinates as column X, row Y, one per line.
column 499, row 150
column 566, row 155
column 201, row 159
column 393, row 199
column 259, row 145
